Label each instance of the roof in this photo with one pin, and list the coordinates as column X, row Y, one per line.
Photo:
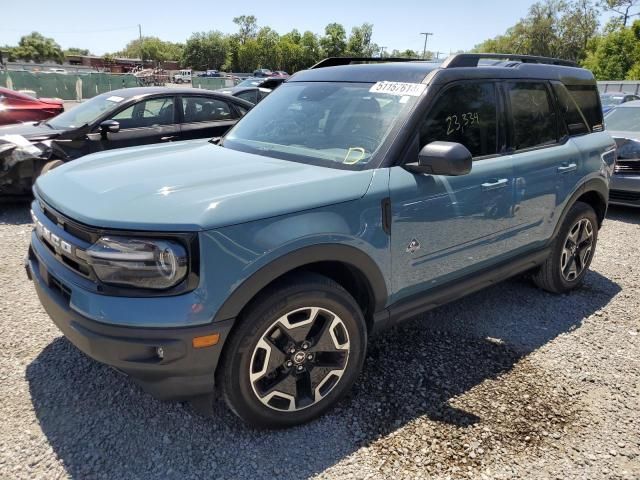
column 139, row 91
column 456, row 67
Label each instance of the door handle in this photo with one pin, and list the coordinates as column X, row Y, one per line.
column 571, row 167
column 495, row 184
column 167, row 139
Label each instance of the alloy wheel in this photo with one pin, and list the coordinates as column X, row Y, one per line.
column 299, row 359
column 577, row 250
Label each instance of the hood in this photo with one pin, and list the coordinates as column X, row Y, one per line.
column 52, row 101
column 30, row 130
column 188, row 186
column 627, row 144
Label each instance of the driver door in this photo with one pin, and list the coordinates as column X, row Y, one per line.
column 447, row 226
column 151, row 120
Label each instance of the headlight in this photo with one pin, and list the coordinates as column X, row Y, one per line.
column 138, row 262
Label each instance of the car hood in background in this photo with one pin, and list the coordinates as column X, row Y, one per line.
column 31, row 130
column 187, row 186
column 627, row 143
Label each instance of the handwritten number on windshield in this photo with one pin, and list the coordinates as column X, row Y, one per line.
column 458, row 124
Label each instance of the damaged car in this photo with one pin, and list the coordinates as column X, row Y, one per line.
column 120, row 118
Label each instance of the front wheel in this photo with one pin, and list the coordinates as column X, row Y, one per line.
column 572, row 251
column 295, row 352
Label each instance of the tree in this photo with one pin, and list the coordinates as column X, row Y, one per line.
column 205, row 51
column 334, row 41
column 152, row 48
column 359, row 43
column 77, row 51
column 553, row 28
column 248, row 25
column 267, row 48
column 38, row 48
column 616, row 54
column 621, row 7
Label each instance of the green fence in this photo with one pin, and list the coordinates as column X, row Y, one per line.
column 208, row 83
column 66, row 87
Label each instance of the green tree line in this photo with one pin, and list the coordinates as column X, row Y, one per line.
column 570, row 30
column 249, row 48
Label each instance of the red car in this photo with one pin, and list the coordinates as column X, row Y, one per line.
column 17, row 107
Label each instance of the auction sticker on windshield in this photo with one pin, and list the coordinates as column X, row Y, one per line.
column 399, row 88
column 115, row 98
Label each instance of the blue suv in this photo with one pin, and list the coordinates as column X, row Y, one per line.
column 352, row 198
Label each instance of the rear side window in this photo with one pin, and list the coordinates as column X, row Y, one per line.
column 533, row 115
column 205, row 109
column 147, row 113
column 467, row 114
column 575, row 122
column 588, row 99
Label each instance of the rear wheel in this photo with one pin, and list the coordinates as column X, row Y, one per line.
column 296, row 351
column 572, row 251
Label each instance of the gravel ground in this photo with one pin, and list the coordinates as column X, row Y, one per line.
column 510, row 382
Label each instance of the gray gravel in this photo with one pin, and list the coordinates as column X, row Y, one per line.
column 510, row 382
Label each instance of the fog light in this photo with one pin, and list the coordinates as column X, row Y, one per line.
column 160, row 352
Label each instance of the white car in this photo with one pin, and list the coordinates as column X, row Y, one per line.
column 183, row 76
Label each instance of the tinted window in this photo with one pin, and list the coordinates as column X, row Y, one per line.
column 465, row 114
column 203, row 109
column 533, row 115
column 575, row 122
column 148, row 113
column 587, row 98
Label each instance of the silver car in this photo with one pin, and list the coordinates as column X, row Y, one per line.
column 623, row 123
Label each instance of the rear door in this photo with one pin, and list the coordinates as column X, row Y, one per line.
column 443, row 226
column 151, row 120
column 544, row 161
column 206, row 117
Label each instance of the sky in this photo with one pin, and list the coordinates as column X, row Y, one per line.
column 107, row 26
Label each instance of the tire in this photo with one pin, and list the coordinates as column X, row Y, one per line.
column 571, row 253
column 294, row 353
column 50, row 165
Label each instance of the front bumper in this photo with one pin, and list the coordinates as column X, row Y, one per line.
column 625, row 190
column 183, row 372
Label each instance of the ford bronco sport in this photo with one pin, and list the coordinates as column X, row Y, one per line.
column 352, row 198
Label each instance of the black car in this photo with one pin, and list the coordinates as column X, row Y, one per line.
column 254, row 89
column 120, row 118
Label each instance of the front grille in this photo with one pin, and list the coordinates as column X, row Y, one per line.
column 621, row 196
column 67, row 250
column 627, row 166
column 57, row 285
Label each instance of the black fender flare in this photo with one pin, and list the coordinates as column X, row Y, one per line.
column 351, row 256
column 596, row 185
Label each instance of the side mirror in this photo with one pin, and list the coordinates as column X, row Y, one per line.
column 109, row 126
column 442, row 158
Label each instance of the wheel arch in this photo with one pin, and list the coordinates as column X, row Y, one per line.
column 350, row 267
column 594, row 192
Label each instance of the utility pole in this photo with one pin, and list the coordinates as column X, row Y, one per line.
column 438, row 55
column 426, row 37
column 382, row 51
column 141, row 50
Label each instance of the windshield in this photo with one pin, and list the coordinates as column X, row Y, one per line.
column 623, row 119
column 86, row 112
column 338, row 125
column 611, row 100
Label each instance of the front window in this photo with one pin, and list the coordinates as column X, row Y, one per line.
column 340, row 125
column 86, row 112
column 147, row 113
column 623, row 119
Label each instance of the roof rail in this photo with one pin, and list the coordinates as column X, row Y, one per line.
column 473, row 59
column 336, row 61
